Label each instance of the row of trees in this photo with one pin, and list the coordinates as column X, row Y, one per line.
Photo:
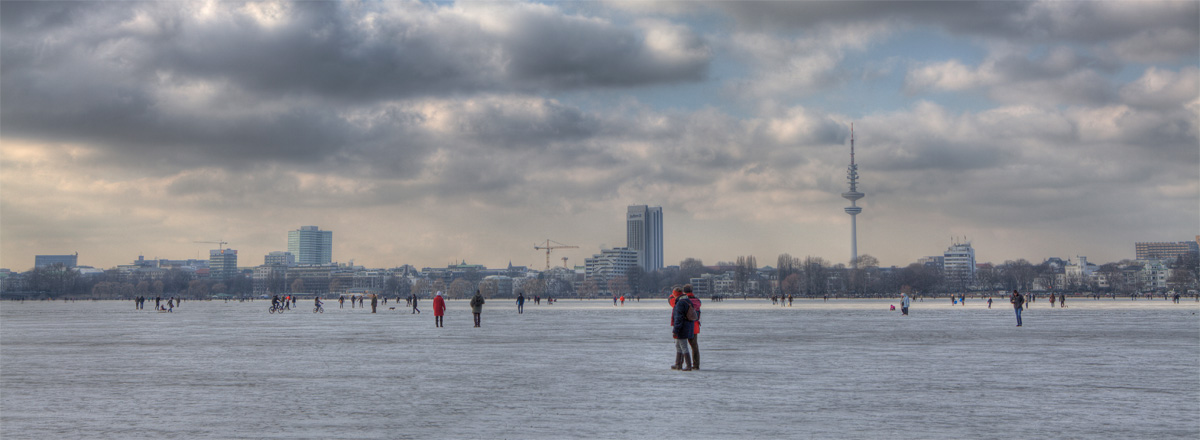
column 808, row 276
column 58, row 281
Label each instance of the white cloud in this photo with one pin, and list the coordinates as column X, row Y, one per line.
column 1162, row 88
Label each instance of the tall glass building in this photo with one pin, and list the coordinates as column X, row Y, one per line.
column 311, row 245
column 222, row 264
column 644, row 234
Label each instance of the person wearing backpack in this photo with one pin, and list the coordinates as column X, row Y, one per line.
column 682, row 329
column 477, row 306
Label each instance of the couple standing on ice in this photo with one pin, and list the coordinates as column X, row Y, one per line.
column 685, row 326
column 439, row 307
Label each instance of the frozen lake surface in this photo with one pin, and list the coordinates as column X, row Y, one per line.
column 838, row 369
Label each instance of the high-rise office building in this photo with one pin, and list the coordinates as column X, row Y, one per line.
column 67, row 261
column 610, row 263
column 311, row 245
column 222, row 264
column 958, row 263
column 644, row 234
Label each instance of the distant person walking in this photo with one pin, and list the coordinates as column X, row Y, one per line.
column 989, row 303
column 414, row 304
column 477, row 306
column 341, row 301
column 520, row 303
column 790, row 298
column 1062, row 301
column 439, row 309
column 374, row 302
column 1018, row 303
column 904, row 302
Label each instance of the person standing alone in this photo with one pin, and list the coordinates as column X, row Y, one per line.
column 904, row 302
column 520, row 303
column 1018, row 303
column 477, row 306
column 439, row 309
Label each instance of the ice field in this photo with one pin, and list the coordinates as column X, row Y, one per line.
column 587, row 369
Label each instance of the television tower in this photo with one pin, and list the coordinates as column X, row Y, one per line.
column 853, row 195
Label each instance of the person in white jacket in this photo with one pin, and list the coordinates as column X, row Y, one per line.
column 904, row 302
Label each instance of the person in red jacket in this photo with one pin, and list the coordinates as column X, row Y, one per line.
column 439, row 309
column 687, row 290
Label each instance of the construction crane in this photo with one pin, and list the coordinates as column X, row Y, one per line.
column 549, row 247
column 220, row 243
column 565, row 263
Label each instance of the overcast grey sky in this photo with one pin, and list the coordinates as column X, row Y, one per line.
column 426, row 133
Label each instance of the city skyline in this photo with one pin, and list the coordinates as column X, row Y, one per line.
column 430, row 133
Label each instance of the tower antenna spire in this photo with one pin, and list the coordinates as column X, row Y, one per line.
column 853, row 195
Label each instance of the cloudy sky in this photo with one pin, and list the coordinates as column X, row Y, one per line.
column 426, row 133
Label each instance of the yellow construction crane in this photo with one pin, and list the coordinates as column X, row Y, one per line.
column 549, row 247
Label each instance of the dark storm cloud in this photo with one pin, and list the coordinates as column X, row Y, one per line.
column 1077, row 21
column 974, row 16
column 355, row 51
column 173, row 82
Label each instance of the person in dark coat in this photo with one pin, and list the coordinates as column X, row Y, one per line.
column 520, row 303
column 477, row 306
column 682, row 329
column 1018, row 303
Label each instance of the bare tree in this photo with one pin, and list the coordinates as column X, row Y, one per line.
column 297, row 286
column 460, row 289
column 404, row 287
column 534, row 287
column 197, row 288
column 422, row 285
column 785, row 266
column 589, row 289
column 816, row 276
column 690, row 268
column 635, row 275
column 619, row 285
column 790, row 285
column 489, row 288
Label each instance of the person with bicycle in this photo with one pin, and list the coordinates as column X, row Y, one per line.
column 317, row 301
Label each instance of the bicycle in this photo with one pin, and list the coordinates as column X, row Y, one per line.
column 319, row 309
column 277, row 309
